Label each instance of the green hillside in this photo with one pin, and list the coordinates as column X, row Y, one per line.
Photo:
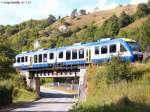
column 59, row 32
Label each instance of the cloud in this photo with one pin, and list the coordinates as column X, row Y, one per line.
column 101, row 5
column 105, row 4
column 138, row 1
column 40, row 9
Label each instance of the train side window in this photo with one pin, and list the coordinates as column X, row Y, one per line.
column 81, row 53
column 113, row 48
column 104, row 49
column 45, row 58
column 26, row 58
column 122, row 48
column 35, row 58
column 61, row 53
column 22, row 59
column 68, row 55
column 74, row 54
column 18, row 60
column 40, row 58
column 97, row 50
column 51, row 56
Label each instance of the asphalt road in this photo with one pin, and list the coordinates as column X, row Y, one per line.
column 51, row 101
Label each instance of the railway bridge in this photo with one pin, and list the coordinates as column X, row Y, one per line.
column 78, row 72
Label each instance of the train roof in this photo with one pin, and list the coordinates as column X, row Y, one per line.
column 77, row 45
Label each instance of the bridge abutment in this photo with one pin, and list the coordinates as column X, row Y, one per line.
column 83, row 85
column 34, row 83
column 33, row 80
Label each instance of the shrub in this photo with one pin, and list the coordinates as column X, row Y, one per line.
column 6, row 90
column 124, row 20
column 76, row 29
column 142, row 10
column 118, row 70
column 45, row 80
column 19, row 81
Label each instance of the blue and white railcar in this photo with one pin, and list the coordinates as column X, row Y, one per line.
column 23, row 60
column 80, row 53
column 43, row 58
column 71, row 55
column 103, row 50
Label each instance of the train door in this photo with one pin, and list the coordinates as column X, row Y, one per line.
column 31, row 60
column 88, row 55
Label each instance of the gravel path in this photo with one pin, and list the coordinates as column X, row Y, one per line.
column 51, row 101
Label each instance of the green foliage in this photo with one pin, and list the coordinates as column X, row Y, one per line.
column 124, row 20
column 116, row 97
column 11, row 30
column 76, row 29
column 23, row 41
column 148, row 1
column 110, row 28
column 90, row 33
column 143, row 10
column 19, row 81
column 141, row 34
column 144, row 34
column 24, row 95
column 2, row 29
column 117, row 70
column 74, row 13
column 82, row 12
column 46, row 80
column 51, row 19
column 6, row 59
column 6, row 90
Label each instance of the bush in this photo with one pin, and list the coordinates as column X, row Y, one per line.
column 46, row 80
column 19, row 81
column 118, row 70
column 6, row 90
column 142, row 10
column 76, row 29
column 124, row 20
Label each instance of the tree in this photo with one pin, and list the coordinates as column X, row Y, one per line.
column 149, row 2
column 2, row 29
column 118, row 70
column 144, row 34
column 6, row 58
column 11, row 30
column 142, row 10
column 110, row 28
column 59, row 17
column 51, row 19
column 74, row 13
column 124, row 20
column 82, row 12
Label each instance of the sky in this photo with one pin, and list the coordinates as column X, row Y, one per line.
column 15, row 13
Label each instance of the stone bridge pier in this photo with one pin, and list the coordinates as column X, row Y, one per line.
column 34, row 83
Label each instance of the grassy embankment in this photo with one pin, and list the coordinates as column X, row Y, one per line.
column 14, row 91
column 124, row 96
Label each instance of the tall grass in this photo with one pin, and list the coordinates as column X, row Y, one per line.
column 124, row 96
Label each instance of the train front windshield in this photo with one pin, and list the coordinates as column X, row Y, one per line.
column 134, row 46
column 136, row 51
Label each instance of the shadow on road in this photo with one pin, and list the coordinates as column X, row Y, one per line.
column 54, row 102
column 56, row 95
